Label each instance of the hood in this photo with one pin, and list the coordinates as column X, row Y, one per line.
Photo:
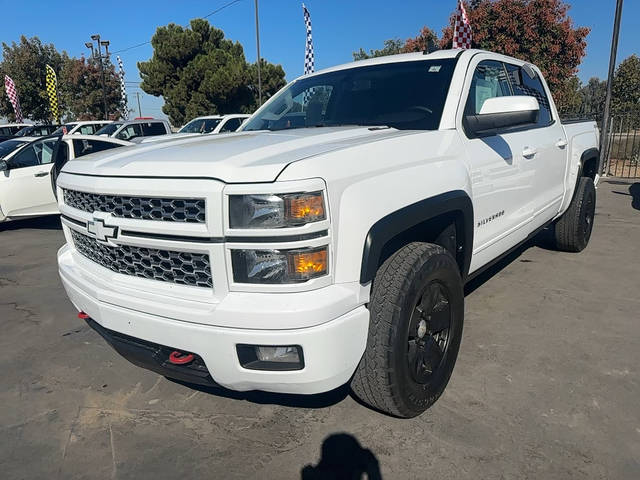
column 233, row 158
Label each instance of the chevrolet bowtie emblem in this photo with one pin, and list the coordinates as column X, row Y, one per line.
column 100, row 231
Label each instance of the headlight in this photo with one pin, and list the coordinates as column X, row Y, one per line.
column 278, row 266
column 276, row 211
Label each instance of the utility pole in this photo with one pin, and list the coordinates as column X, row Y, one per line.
column 259, row 60
column 139, row 109
column 99, row 57
column 606, row 121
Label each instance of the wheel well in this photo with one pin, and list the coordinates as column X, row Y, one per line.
column 446, row 230
column 590, row 168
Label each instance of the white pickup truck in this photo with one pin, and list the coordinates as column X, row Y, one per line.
column 329, row 241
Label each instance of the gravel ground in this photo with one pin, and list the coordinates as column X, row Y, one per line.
column 547, row 384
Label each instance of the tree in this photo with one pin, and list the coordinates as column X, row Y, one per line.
column 593, row 95
column 80, row 89
column 626, row 86
column 25, row 63
column 539, row 31
column 197, row 71
column 392, row 46
column 425, row 40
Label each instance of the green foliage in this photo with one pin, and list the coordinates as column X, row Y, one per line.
column 593, row 95
column 197, row 71
column 626, row 86
column 25, row 63
column 392, row 46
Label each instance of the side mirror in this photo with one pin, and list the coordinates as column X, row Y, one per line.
column 499, row 113
column 4, row 166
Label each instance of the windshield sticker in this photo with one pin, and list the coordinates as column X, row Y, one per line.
column 435, row 68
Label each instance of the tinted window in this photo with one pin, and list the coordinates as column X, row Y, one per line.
column 523, row 84
column 489, row 81
column 109, row 129
column 406, row 95
column 153, row 128
column 85, row 147
column 9, row 146
column 130, row 131
column 27, row 157
column 231, row 125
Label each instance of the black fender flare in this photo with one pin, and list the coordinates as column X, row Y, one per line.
column 407, row 217
column 589, row 154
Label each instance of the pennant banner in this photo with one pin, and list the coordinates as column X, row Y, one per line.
column 462, row 33
column 309, row 59
column 52, row 92
column 12, row 93
column 123, row 89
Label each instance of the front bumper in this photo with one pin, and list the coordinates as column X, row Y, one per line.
column 332, row 350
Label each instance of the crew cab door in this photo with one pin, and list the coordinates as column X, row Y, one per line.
column 26, row 186
column 545, row 149
column 502, row 182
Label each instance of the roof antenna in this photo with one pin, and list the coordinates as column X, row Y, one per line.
column 431, row 47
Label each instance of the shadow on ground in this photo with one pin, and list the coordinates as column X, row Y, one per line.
column 49, row 222
column 343, row 458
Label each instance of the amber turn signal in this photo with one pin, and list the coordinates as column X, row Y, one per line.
column 308, row 264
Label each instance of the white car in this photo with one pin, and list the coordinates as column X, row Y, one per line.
column 329, row 241
column 8, row 130
column 132, row 129
column 209, row 125
column 26, row 165
column 85, row 127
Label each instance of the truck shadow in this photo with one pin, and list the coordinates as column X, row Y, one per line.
column 343, row 457
column 48, row 222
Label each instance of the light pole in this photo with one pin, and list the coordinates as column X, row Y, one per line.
column 99, row 57
column 258, row 49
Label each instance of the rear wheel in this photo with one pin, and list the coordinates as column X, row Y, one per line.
column 573, row 230
column 417, row 310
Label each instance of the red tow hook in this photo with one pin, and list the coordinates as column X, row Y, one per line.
column 83, row 316
column 180, row 358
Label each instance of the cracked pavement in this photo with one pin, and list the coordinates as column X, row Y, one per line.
column 546, row 385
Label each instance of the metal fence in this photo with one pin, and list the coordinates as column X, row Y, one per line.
column 623, row 154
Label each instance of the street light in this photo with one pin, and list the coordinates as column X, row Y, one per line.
column 99, row 57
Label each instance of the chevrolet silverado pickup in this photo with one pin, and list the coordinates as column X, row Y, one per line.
column 328, row 241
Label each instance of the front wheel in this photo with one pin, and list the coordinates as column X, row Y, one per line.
column 415, row 328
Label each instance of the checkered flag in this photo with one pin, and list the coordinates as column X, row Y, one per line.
column 52, row 92
column 309, row 59
column 123, row 89
column 12, row 93
column 462, row 28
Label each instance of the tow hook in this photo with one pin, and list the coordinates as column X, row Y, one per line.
column 180, row 358
column 83, row 316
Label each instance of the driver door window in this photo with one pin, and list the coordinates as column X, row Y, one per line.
column 130, row 131
column 489, row 81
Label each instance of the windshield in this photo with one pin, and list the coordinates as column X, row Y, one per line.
column 200, row 125
column 407, row 95
column 67, row 126
column 9, row 146
column 109, row 129
column 23, row 132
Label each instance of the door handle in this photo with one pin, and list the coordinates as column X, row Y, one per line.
column 529, row 152
column 41, row 174
column 561, row 143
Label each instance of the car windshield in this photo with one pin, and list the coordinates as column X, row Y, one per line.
column 67, row 126
column 24, row 132
column 403, row 95
column 9, row 146
column 109, row 129
column 200, row 125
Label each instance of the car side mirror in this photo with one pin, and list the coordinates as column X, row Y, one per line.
column 500, row 113
column 4, row 166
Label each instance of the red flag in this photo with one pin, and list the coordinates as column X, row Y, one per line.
column 462, row 28
column 12, row 93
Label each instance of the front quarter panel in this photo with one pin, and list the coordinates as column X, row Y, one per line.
column 368, row 182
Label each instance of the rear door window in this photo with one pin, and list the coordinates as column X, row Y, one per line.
column 231, row 125
column 153, row 128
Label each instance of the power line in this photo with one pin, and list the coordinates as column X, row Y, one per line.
column 186, row 26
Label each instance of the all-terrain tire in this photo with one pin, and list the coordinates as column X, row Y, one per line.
column 573, row 230
column 385, row 378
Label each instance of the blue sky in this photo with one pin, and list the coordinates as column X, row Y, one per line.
column 339, row 27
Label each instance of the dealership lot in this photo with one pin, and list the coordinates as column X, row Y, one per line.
column 546, row 385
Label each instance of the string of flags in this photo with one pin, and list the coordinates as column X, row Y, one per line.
column 462, row 33
column 12, row 93
column 52, row 92
column 123, row 89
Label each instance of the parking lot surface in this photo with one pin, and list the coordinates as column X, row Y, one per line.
column 547, row 384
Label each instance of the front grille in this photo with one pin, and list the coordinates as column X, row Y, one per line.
column 190, row 210
column 165, row 265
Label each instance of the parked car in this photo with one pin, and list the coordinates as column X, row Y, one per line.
column 209, row 125
column 26, row 171
column 85, row 127
column 135, row 128
column 297, row 256
column 36, row 130
column 8, row 130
